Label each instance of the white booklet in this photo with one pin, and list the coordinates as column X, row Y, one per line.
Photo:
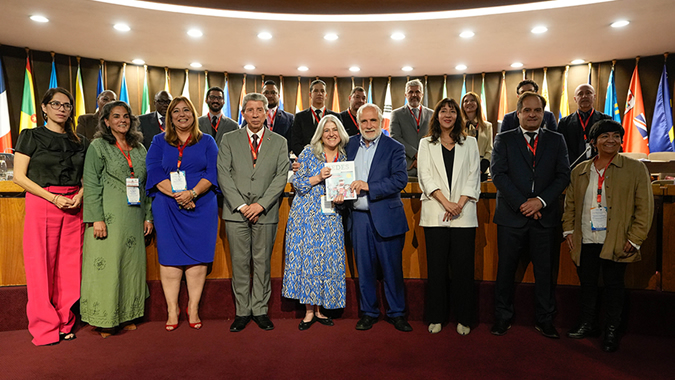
column 342, row 176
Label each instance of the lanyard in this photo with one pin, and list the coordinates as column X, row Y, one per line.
column 217, row 124
column 271, row 123
column 352, row 117
column 601, row 178
column 531, row 148
column 584, row 125
column 180, row 150
column 316, row 117
column 161, row 127
column 254, row 151
column 417, row 119
column 131, row 166
column 336, row 157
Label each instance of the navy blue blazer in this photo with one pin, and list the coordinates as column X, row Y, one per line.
column 149, row 126
column 513, row 173
column 387, row 178
column 303, row 129
column 574, row 134
column 511, row 122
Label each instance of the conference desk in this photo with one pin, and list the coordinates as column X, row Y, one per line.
column 656, row 271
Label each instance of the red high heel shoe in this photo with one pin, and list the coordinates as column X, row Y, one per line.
column 196, row 325
column 169, row 327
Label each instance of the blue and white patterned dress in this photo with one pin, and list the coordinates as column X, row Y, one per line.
column 315, row 246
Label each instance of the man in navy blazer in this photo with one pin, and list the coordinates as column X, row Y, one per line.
column 530, row 169
column 278, row 120
column 305, row 121
column 377, row 220
column 153, row 123
column 511, row 119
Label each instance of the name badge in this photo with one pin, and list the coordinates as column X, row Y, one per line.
column 178, row 182
column 133, row 192
column 327, row 206
column 599, row 218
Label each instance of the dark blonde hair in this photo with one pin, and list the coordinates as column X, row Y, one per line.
column 171, row 136
column 458, row 132
column 479, row 111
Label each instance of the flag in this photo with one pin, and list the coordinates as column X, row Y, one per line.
column 634, row 123
column 186, row 86
column 80, row 108
column 564, row 101
column 445, row 86
column 241, row 101
column 370, row 92
column 5, row 128
column 336, row 97
column 611, row 103
column 544, row 92
column 166, row 80
column 503, row 103
column 205, row 106
column 124, row 93
column 281, row 93
column 145, row 102
column 99, row 84
column 298, row 98
column 662, row 134
column 425, row 100
column 53, row 83
column 227, row 110
column 590, row 70
column 386, row 114
column 28, row 119
column 464, row 89
column 483, row 104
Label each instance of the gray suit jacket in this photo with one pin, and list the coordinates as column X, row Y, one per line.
column 403, row 129
column 226, row 125
column 241, row 183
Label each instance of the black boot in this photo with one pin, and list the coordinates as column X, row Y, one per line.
column 584, row 330
column 610, row 342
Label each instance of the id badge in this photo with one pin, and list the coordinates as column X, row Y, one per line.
column 599, row 218
column 178, row 182
column 133, row 192
column 327, row 206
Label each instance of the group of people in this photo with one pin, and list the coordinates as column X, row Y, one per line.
column 170, row 170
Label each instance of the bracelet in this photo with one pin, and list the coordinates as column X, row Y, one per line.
column 194, row 193
column 54, row 200
column 149, row 221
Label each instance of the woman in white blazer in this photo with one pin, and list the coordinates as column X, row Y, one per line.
column 449, row 175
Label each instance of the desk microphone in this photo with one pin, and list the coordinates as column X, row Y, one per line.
column 583, row 155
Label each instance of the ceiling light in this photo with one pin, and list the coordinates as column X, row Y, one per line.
column 196, row 65
column 460, row 67
column 138, row 61
column 467, row 34
column 195, row 33
column 303, row 68
column 354, row 69
column 122, row 27
column 249, row 67
column 620, row 23
column 516, row 64
column 539, row 29
column 37, row 18
column 397, row 36
column 330, row 37
column 578, row 61
column 265, row 35
column 406, row 68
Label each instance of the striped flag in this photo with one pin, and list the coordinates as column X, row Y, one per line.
column 281, row 93
column 386, row 114
column 205, row 106
column 564, row 100
column 370, row 92
column 28, row 119
column 99, row 84
column 145, row 102
column 166, row 80
column 5, row 128
column 634, row 121
column 662, row 134
column 227, row 109
column 298, row 98
column 124, row 93
column 544, row 92
column 80, row 108
column 464, row 89
column 241, row 101
column 483, row 104
column 611, row 102
column 53, row 83
column 425, row 100
column 336, row 97
column 186, row 86
column 503, row 103
column 445, row 86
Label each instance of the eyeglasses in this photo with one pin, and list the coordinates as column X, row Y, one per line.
column 163, row 101
column 57, row 105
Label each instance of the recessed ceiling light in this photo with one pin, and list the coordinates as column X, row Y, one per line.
column 460, row 67
column 303, row 68
column 406, row 68
column 330, row 37
column 122, row 27
column 620, row 23
column 138, row 61
column 196, row 65
column 249, row 67
column 354, row 69
column 578, row 61
column 195, row 33
column 539, row 29
column 516, row 64
column 467, row 34
column 38, row 18
column 397, row 36
column 265, row 35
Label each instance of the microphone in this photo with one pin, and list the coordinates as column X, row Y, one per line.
column 583, row 155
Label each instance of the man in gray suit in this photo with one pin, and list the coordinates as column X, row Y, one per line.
column 252, row 172
column 214, row 123
column 411, row 122
column 88, row 123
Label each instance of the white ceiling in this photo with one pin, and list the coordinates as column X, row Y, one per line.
column 433, row 47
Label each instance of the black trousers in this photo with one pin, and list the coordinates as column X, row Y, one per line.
column 453, row 247
column 613, row 275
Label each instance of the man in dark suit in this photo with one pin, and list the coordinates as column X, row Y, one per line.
column 252, row 173
column 278, row 120
column 356, row 99
column 574, row 127
column 530, row 169
column 511, row 119
column 88, row 123
column 305, row 121
column 214, row 123
column 153, row 123
column 377, row 220
column 411, row 122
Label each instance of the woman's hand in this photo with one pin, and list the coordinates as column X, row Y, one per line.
column 339, row 199
column 62, row 202
column 76, row 201
column 183, row 198
column 323, row 174
column 100, row 230
column 147, row 227
column 570, row 241
column 452, row 208
column 628, row 250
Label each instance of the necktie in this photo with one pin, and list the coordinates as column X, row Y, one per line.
column 270, row 115
column 214, row 121
column 255, row 148
column 161, row 121
column 318, row 116
column 416, row 112
column 532, row 135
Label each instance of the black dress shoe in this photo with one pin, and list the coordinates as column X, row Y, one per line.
column 263, row 321
column 400, row 324
column 305, row 325
column 324, row 321
column 500, row 327
column 366, row 322
column 239, row 323
column 610, row 342
column 584, row 330
column 547, row 330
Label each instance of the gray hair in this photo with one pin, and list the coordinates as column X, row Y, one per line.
column 414, row 83
column 369, row 105
column 253, row 97
column 317, row 144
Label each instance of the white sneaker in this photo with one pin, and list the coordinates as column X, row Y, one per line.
column 434, row 328
column 463, row 330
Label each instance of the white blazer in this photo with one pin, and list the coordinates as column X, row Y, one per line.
column 465, row 181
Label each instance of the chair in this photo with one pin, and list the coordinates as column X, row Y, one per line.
column 635, row 155
column 662, row 156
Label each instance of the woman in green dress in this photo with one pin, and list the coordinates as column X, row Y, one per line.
column 117, row 216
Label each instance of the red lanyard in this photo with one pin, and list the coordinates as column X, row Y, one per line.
column 601, row 178
column 161, row 127
column 316, row 117
column 336, row 157
column 584, row 125
column 417, row 119
column 131, row 166
column 217, row 124
column 180, row 150
column 271, row 123
column 254, row 151
column 531, row 148
column 354, row 120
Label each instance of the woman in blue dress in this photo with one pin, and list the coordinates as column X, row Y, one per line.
column 315, row 252
column 182, row 180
